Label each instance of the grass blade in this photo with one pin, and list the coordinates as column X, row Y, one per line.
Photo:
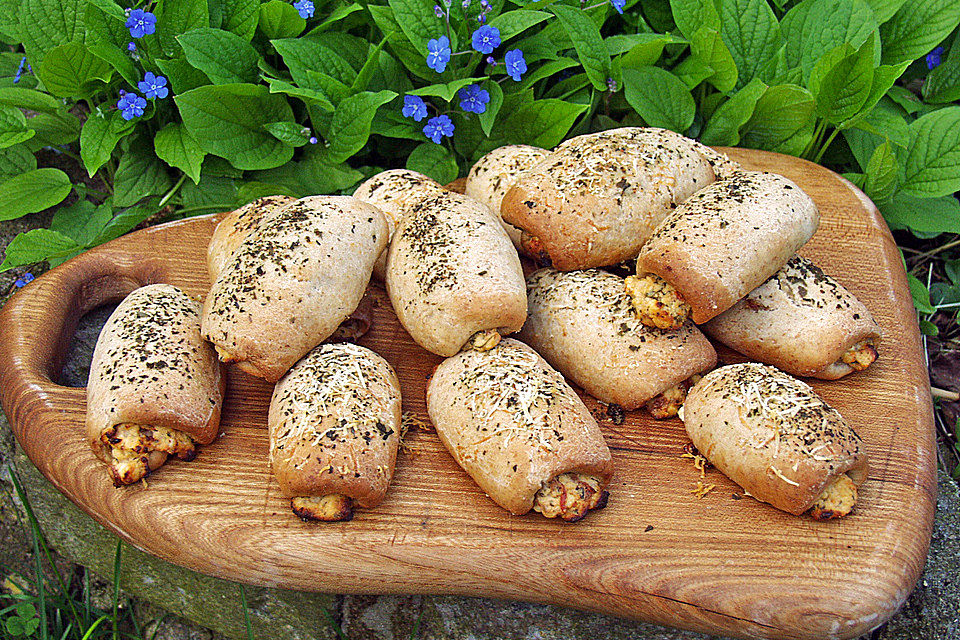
column 117, row 559
column 246, row 613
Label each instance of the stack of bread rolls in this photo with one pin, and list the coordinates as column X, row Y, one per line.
column 715, row 248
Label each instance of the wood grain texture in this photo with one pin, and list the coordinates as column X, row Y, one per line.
column 718, row 565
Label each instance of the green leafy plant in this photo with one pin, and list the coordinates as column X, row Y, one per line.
column 179, row 107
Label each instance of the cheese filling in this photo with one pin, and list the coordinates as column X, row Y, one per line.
column 570, row 496
column 837, row 499
column 136, row 450
column 657, row 303
column 860, row 356
column 334, row 507
column 483, row 340
column 668, row 403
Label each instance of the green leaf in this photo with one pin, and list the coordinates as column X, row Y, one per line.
column 175, row 146
column 724, row 125
column 917, row 28
column 240, row 17
column 932, row 165
column 661, row 99
column 921, row 297
column 691, row 71
column 362, row 81
column 317, row 97
column 54, row 130
column 140, row 174
column 409, row 56
column 927, row 328
column 841, row 80
column 782, row 120
column 296, row 135
column 488, row 117
column 182, row 75
column 621, row 43
column 883, row 10
column 126, row 220
column 814, row 27
column 36, row 245
column 16, row 160
column 67, row 69
column 309, row 61
column 542, row 123
column 588, row 44
column 32, row 191
column 707, row 45
column 45, row 24
column 512, row 23
column 227, row 120
column 13, row 127
column 82, row 222
column 251, row 190
column 30, row 99
column 118, row 60
column 943, row 83
column 224, row 57
column 883, row 78
column 446, row 91
column 433, row 160
column 110, row 8
column 278, row 19
column 211, row 190
column 101, row 27
column 881, row 172
column 176, row 17
column 545, row 71
column 350, row 127
column 336, row 16
column 693, row 15
column 98, row 139
column 752, row 34
column 418, row 23
column 924, row 215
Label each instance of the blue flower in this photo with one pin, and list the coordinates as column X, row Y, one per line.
column 933, row 58
column 414, row 107
column 153, row 86
column 516, row 65
column 305, row 8
column 23, row 280
column 16, row 78
column 438, row 127
column 141, row 23
column 131, row 46
column 437, row 11
column 612, row 85
column 313, row 140
column 618, row 5
column 486, row 39
column 439, row 55
column 131, row 106
column 474, row 99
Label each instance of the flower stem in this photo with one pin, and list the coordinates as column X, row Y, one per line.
column 169, row 194
column 823, row 148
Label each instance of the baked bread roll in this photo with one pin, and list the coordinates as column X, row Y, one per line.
column 334, row 426
column 292, row 282
column 771, row 434
column 454, row 277
column 718, row 246
column 492, row 175
column 520, row 431
column 801, row 321
column 155, row 387
column 234, row 227
column 583, row 323
column 596, row 198
column 395, row 192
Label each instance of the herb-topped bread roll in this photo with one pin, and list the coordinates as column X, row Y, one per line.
column 292, row 282
column 802, row 321
column 520, row 431
column 597, row 197
column 493, row 174
column 454, row 277
column 395, row 192
column 776, row 438
column 584, row 324
column 155, row 387
column 334, row 431
column 234, row 228
column 718, row 246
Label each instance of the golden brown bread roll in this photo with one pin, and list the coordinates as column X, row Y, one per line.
column 771, row 434
column 395, row 192
column 596, row 198
column 492, row 175
column 334, row 431
column 452, row 273
column 520, row 431
column 155, row 387
column 292, row 282
column 234, row 227
column 801, row 321
column 583, row 323
column 722, row 243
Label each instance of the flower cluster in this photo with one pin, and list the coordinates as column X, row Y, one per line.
column 934, row 58
column 305, row 8
column 439, row 127
column 153, row 86
column 141, row 23
column 23, row 61
column 23, row 280
column 131, row 105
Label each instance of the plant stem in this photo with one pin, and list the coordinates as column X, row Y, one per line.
column 246, row 614
column 932, row 252
column 169, row 194
column 823, row 148
column 950, row 396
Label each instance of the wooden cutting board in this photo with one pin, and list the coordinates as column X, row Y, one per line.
column 722, row 564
